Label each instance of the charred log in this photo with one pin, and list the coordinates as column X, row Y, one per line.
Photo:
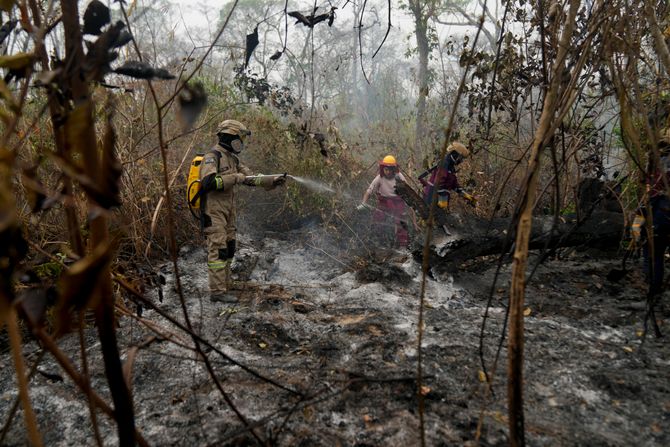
column 459, row 238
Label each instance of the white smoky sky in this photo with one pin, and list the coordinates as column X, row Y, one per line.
column 197, row 21
column 198, row 13
column 197, row 16
column 192, row 25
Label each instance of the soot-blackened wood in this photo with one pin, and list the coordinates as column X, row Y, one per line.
column 471, row 237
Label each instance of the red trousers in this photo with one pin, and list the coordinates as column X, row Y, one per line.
column 390, row 218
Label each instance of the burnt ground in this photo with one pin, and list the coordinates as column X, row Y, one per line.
column 340, row 333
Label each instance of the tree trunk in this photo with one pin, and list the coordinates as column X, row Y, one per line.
column 421, row 33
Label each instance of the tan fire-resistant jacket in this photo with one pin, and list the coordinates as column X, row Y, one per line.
column 220, row 203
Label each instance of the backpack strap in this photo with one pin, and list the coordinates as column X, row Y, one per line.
column 201, row 192
column 218, row 160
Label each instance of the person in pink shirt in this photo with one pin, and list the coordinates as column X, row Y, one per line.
column 389, row 220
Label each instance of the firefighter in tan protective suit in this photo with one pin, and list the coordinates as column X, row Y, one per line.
column 220, row 172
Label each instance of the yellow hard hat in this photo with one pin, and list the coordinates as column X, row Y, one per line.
column 232, row 127
column 458, row 147
column 389, row 160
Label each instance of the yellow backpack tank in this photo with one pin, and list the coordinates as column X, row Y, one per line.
column 193, row 190
column 193, row 183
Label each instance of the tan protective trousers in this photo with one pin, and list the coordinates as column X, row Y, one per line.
column 218, row 256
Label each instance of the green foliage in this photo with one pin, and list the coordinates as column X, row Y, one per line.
column 220, row 94
column 259, row 89
column 569, row 209
column 49, row 270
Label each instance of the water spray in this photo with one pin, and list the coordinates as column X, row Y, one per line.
column 314, row 185
column 319, row 187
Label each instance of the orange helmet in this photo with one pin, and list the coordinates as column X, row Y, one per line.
column 458, row 147
column 389, row 160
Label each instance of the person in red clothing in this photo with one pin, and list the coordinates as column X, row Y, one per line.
column 389, row 219
column 658, row 184
column 443, row 178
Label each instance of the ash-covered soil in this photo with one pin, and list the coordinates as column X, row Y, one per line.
column 338, row 337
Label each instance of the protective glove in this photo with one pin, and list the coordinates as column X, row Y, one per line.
column 239, row 178
column 636, row 228
column 249, row 181
column 472, row 201
column 278, row 181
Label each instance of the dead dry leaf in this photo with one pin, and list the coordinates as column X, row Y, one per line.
column 499, row 417
column 78, row 284
column 95, row 17
column 350, row 319
column 79, row 120
column 7, row 5
column 142, row 70
column 252, row 43
column 102, row 186
column 111, row 169
column 16, row 61
column 5, row 116
column 128, row 366
column 308, row 413
column 7, row 94
column 374, row 330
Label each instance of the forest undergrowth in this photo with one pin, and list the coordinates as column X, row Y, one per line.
column 101, row 114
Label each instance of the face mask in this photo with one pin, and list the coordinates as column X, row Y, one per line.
column 237, row 145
